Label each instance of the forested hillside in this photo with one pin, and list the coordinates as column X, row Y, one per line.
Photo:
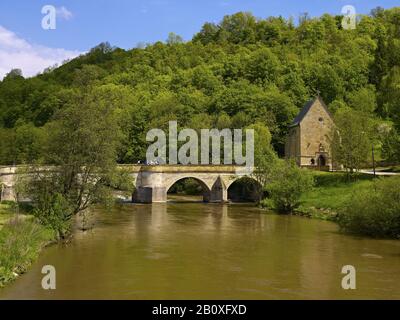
column 242, row 71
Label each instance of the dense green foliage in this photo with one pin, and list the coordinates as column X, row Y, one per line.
column 265, row 159
column 234, row 74
column 391, row 146
column 374, row 211
column 352, row 138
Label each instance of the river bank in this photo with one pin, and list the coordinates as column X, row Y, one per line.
column 332, row 191
column 330, row 194
column 21, row 241
column 365, row 206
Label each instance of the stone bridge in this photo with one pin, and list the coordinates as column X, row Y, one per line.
column 153, row 182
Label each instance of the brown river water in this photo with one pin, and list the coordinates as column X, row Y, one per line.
column 211, row 251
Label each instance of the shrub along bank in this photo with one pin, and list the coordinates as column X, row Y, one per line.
column 374, row 211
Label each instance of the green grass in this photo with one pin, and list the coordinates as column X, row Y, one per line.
column 331, row 192
column 6, row 212
column 21, row 241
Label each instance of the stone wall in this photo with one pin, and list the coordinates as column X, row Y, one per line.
column 292, row 146
column 315, row 130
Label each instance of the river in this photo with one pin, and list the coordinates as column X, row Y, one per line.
column 211, row 251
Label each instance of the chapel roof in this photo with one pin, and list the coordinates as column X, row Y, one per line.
column 307, row 108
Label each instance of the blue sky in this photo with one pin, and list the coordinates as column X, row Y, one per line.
column 81, row 24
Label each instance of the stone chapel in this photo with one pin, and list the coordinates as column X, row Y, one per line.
column 308, row 137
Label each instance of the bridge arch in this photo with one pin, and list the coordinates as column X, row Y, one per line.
column 244, row 189
column 206, row 191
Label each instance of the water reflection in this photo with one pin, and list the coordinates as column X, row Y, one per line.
column 210, row 251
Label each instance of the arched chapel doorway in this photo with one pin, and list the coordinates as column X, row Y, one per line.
column 321, row 161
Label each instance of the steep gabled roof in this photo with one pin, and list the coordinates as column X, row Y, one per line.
column 307, row 108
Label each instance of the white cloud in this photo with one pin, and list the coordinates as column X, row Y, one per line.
column 17, row 53
column 64, row 13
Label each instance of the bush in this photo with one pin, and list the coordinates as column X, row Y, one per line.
column 52, row 210
column 374, row 212
column 267, row 203
column 287, row 186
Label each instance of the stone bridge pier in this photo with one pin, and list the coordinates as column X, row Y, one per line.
column 153, row 182
column 8, row 180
